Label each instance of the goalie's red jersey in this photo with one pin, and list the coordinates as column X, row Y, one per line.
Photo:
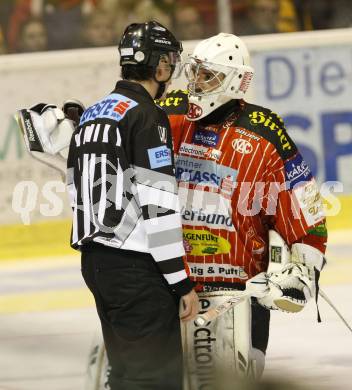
column 238, row 179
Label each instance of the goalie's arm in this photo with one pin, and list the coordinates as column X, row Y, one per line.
column 296, row 210
column 299, row 219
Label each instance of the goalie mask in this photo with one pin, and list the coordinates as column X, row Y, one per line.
column 217, row 71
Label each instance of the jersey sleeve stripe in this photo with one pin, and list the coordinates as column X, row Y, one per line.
column 165, row 252
column 175, row 277
column 164, row 237
column 128, row 221
column 170, row 266
column 163, row 223
column 86, row 195
column 156, row 180
column 102, row 202
column 119, row 188
column 150, row 195
column 92, row 165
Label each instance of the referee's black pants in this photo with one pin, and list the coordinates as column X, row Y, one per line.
column 139, row 318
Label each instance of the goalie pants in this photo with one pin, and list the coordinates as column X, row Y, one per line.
column 139, row 318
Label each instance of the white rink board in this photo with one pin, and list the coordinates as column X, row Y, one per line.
column 88, row 74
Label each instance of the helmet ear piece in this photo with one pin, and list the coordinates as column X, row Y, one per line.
column 139, row 56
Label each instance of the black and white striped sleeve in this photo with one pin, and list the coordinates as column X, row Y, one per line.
column 157, row 195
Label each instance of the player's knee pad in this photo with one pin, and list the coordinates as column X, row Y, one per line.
column 220, row 352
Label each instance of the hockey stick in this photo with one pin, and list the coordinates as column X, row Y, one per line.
column 219, row 310
column 279, row 248
column 327, row 300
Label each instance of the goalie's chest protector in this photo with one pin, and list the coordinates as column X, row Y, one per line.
column 221, row 171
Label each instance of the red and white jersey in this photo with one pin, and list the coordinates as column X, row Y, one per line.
column 238, row 179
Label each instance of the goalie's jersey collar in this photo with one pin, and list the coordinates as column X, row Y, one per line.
column 135, row 88
column 220, row 115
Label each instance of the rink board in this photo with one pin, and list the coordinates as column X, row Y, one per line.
column 52, row 238
column 55, row 282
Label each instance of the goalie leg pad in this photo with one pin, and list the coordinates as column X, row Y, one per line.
column 98, row 366
column 220, row 352
column 251, row 334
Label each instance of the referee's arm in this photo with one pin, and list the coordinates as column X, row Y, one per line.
column 157, row 194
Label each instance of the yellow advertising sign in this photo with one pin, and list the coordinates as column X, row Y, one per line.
column 204, row 243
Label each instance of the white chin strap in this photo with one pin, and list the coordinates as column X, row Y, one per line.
column 201, row 106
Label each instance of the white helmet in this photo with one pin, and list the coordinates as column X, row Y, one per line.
column 217, row 71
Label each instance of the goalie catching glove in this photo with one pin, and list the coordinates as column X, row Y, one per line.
column 47, row 131
column 290, row 288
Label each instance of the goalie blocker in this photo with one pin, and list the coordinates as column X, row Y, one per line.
column 47, row 131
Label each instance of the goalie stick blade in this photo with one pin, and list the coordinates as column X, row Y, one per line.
column 287, row 305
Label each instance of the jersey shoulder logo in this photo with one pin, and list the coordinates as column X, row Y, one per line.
column 269, row 126
column 159, row 157
column 175, row 102
column 297, row 171
column 113, row 106
column 162, row 134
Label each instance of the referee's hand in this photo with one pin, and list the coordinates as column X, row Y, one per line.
column 189, row 307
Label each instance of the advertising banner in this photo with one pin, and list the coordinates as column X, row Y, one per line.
column 311, row 89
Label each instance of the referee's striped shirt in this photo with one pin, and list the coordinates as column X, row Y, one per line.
column 121, row 184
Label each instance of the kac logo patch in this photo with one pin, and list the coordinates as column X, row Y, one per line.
column 194, row 111
column 159, row 157
column 242, row 146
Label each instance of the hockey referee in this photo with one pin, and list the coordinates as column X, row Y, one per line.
column 126, row 219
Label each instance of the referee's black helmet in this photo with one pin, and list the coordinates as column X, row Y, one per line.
column 144, row 43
